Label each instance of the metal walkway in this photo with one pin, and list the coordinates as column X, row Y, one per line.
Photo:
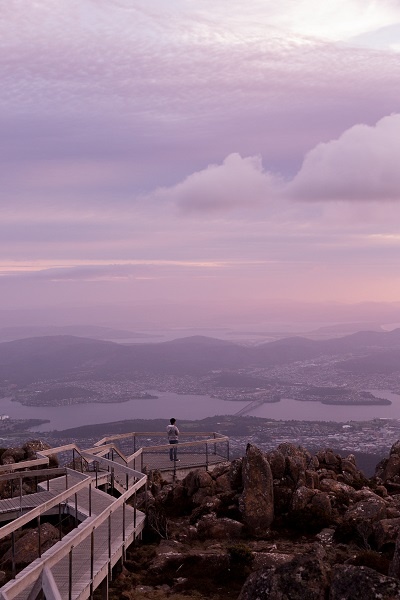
column 83, row 559
column 77, row 564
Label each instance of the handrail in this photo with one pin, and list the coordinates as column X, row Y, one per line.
column 23, row 464
column 123, row 468
column 32, row 474
column 121, row 436
column 187, row 444
column 35, row 574
column 47, row 505
column 75, row 537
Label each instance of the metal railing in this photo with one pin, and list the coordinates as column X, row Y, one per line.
column 106, row 534
column 84, row 557
column 212, row 448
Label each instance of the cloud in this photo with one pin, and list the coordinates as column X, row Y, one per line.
column 362, row 164
column 236, row 183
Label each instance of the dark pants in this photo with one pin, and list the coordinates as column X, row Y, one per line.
column 173, row 451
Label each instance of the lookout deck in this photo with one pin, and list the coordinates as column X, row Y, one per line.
column 105, row 525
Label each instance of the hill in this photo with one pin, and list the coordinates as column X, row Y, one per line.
column 52, row 357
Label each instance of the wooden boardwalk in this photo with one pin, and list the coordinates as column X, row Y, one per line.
column 22, row 504
column 83, row 559
column 76, row 565
column 187, row 460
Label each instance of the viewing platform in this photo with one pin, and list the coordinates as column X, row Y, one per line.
column 96, row 490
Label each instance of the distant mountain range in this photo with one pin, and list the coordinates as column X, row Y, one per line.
column 96, row 332
column 54, row 357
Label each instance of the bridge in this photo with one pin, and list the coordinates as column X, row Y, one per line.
column 96, row 490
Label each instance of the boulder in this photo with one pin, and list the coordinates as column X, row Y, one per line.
column 277, row 463
column 389, row 468
column 197, row 479
column 223, row 484
column 33, row 446
column 386, row 532
column 221, row 469
column 305, row 576
column 27, row 546
column 359, row 520
column 270, row 560
column 174, row 557
column 295, row 471
column 235, row 474
column 12, row 455
column 362, row 583
column 394, row 569
column 340, row 494
column 257, row 500
column 329, row 460
column 210, row 527
column 311, row 479
column 310, row 509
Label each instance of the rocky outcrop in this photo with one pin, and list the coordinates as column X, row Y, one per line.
column 27, row 452
column 361, row 583
column 282, row 525
column 27, row 546
column 256, row 502
column 302, row 577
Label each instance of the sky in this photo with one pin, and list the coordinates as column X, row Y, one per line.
column 201, row 163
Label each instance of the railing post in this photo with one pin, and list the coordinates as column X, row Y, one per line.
column 76, row 509
column 59, row 521
column 20, row 494
column 90, row 499
column 13, row 567
column 134, row 510
column 227, row 449
column 91, row 562
column 127, row 482
column 215, row 445
column 123, row 532
column 206, row 456
column 39, row 537
column 73, row 458
column 109, row 545
column 112, row 481
column 70, row 575
column 134, row 443
column 97, row 470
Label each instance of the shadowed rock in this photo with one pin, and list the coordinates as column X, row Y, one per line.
column 257, row 500
column 362, row 583
column 304, row 577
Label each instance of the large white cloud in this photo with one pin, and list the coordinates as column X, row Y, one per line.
column 363, row 164
column 236, row 183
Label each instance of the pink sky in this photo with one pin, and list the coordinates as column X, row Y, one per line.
column 215, row 158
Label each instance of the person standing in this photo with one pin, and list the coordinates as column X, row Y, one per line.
column 173, row 433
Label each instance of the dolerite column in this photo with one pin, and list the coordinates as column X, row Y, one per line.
column 257, row 500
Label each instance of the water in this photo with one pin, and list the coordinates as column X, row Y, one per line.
column 166, row 406
column 194, row 407
column 315, row 411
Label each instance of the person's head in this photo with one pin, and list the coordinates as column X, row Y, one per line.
column 172, row 421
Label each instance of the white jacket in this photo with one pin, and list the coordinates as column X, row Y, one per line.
column 172, row 432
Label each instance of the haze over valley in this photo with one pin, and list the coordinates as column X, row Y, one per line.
column 338, row 372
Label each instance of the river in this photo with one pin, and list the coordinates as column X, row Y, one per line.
column 194, row 407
